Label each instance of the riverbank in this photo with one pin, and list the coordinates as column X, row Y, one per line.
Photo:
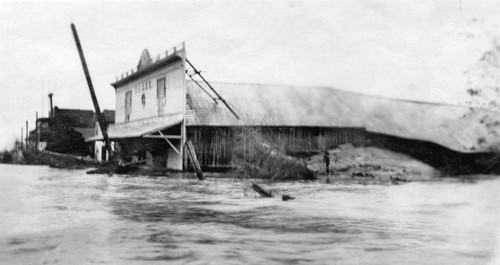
column 48, row 158
column 371, row 165
column 349, row 165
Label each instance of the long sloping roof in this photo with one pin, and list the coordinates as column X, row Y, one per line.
column 456, row 127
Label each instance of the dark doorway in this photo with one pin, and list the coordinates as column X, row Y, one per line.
column 103, row 153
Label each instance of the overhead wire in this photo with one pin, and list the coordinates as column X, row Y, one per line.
column 196, row 72
column 201, row 87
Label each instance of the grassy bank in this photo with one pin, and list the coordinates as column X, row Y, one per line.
column 260, row 157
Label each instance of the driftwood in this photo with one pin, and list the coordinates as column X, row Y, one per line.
column 261, row 191
column 268, row 194
column 124, row 168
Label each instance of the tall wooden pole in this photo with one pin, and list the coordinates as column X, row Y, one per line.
column 22, row 135
column 27, row 136
column 37, row 133
column 100, row 116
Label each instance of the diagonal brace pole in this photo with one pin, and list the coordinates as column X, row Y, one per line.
column 170, row 143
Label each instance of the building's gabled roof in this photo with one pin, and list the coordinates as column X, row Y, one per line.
column 456, row 127
column 147, row 65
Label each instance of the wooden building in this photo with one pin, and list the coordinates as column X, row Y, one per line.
column 149, row 114
column 98, row 148
column 65, row 131
column 158, row 110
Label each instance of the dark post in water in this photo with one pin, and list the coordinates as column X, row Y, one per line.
column 27, row 137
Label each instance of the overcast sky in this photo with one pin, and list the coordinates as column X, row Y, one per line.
column 414, row 50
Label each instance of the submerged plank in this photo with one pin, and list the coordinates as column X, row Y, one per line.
column 261, row 191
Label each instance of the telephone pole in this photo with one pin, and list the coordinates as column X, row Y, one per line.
column 100, row 116
column 21, row 139
column 27, row 136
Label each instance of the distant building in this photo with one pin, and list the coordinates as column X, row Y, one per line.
column 98, row 147
column 41, row 134
column 158, row 110
column 65, row 131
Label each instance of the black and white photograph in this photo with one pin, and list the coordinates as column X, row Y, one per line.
column 351, row 132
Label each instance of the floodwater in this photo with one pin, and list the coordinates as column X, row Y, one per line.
column 54, row 216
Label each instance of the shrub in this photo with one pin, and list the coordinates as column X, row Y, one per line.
column 257, row 156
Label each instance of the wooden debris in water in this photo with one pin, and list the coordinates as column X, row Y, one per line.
column 261, row 191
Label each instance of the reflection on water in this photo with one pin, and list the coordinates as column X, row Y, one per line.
column 53, row 216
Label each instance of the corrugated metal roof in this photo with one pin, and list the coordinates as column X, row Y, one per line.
column 455, row 127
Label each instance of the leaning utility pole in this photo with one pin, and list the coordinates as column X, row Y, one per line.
column 100, row 116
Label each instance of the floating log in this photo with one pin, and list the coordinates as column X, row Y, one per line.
column 194, row 160
column 125, row 168
column 261, row 191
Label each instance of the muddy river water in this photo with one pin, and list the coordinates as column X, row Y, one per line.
column 55, row 216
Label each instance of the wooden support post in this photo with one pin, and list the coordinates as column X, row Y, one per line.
column 149, row 158
column 194, row 160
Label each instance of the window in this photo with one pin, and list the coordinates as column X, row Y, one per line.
column 143, row 100
column 128, row 105
column 161, row 98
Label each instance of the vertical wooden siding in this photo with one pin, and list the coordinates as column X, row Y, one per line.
column 215, row 146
